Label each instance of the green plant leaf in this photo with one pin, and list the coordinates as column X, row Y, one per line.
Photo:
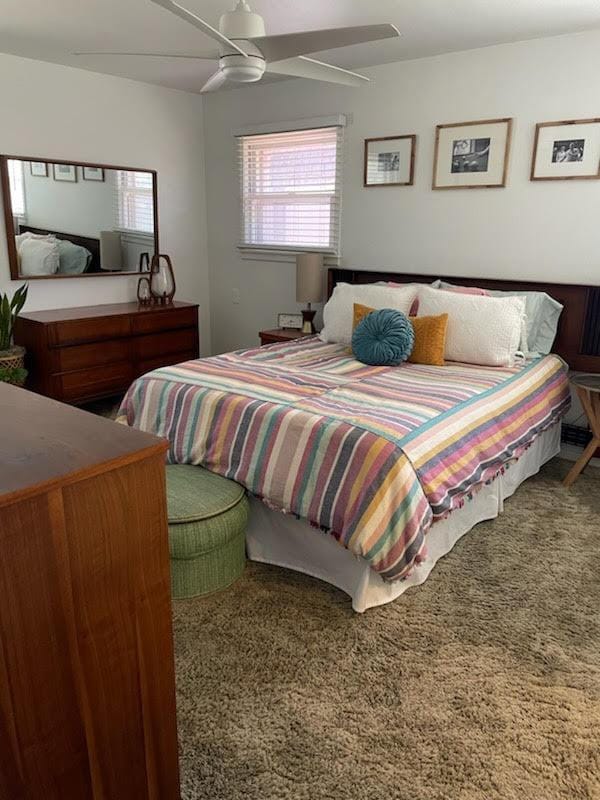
column 19, row 298
column 5, row 323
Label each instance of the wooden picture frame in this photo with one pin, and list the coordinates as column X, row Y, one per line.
column 405, row 140
column 93, row 174
column 495, row 151
column 38, row 169
column 69, row 172
column 546, row 148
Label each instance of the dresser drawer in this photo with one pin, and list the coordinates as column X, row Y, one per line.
column 96, row 354
column 73, row 331
column 164, row 319
column 158, row 344
column 86, row 384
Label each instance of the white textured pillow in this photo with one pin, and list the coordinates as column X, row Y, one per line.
column 338, row 314
column 39, row 257
column 481, row 330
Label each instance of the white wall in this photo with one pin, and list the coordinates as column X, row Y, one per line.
column 530, row 230
column 84, row 208
column 59, row 112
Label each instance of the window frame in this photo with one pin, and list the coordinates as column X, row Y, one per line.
column 283, row 252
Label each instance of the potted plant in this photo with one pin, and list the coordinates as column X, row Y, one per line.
column 12, row 357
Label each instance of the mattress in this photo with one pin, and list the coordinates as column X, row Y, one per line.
column 372, row 455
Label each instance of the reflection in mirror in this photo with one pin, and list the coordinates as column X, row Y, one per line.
column 70, row 219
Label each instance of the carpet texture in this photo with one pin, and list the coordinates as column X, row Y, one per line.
column 483, row 683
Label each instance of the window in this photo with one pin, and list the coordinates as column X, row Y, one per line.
column 17, row 187
column 291, row 189
column 135, row 202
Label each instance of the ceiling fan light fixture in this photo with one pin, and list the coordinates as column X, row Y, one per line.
column 240, row 69
column 242, row 23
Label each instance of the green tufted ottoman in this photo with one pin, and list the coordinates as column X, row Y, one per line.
column 207, row 530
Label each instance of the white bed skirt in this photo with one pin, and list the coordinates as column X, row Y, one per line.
column 281, row 539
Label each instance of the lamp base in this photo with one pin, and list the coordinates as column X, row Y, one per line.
column 308, row 316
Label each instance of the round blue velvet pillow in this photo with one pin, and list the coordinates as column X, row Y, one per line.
column 383, row 338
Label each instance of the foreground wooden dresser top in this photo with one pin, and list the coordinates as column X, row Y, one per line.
column 87, row 690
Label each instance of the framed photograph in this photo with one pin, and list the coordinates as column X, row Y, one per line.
column 65, row 172
column 39, row 169
column 390, row 160
column 472, row 155
column 93, row 173
column 289, row 321
column 566, row 150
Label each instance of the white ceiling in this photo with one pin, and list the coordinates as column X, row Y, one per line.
column 52, row 31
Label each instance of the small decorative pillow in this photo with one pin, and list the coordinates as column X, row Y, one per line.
column 383, row 338
column 430, row 336
column 430, row 340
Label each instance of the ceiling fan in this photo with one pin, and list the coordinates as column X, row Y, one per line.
column 245, row 51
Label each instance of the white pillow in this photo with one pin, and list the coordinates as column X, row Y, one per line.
column 481, row 330
column 338, row 314
column 543, row 313
column 22, row 237
column 39, row 257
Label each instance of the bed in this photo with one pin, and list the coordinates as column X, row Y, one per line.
column 392, row 463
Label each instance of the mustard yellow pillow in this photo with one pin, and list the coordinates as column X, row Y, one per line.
column 430, row 340
column 360, row 311
column 430, row 336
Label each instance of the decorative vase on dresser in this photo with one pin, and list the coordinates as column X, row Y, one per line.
column 82, row 354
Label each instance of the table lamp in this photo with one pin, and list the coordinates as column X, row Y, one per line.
column 309, row 286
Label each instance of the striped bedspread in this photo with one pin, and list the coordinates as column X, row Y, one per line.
column 373, row 455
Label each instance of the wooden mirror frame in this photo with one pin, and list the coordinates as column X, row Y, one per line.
column 10, row 228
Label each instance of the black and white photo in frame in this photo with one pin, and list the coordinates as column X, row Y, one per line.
column 38, row 169
column 472, row 155
column 65, row 172
column 390, row 160
column 566, row 149
column 93, row 173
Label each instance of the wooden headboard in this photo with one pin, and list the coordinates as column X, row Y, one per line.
column 93, row 245
column 578, row 339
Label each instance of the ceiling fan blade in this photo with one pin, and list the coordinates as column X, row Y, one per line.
column 199, row 23
column 212, row 57
column 304, row 67
column 287, row 45
column 214, row 83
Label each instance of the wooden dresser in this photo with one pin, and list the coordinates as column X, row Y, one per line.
column 81, row 354
column 87, row 688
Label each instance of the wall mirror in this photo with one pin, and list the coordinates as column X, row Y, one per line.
column 72, row 219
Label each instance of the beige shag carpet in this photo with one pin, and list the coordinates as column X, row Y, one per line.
column 483, row 683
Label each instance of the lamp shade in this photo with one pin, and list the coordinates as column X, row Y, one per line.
column 111, row 255
column 309, row 277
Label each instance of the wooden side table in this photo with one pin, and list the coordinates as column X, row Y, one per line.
column 281, row 335
column 588, row 391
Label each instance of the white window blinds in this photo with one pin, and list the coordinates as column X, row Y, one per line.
column 17, row 187
column 134, row 201
column 291, row 189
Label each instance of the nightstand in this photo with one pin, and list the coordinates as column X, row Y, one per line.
column 281, row 335
column 588, row 390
